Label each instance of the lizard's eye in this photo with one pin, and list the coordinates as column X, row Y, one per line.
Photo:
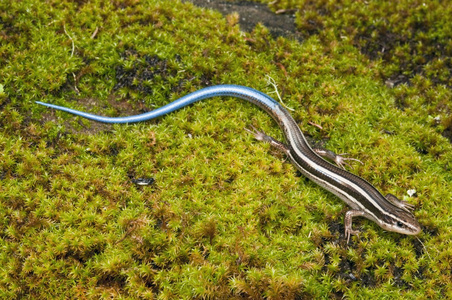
column 400, row 224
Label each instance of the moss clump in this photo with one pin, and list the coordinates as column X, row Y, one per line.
column 407, row 44
column 224, row 218
column 411, row 37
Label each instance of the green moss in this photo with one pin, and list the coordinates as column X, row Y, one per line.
column 407, row 44
column 227, row 216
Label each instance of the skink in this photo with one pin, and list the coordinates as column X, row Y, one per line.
column 364, row 199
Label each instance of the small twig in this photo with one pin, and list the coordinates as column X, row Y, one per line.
column 129, row 231
column 315, row 125
column 272, row 82
column 282, row 68
column 95, row 33
column 133, row 226
column 75, row 83
column 285, row 11
column 426, row 251
column 72, row 41
column 72, row 54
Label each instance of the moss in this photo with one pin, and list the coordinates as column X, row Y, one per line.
column 226, row 217
column 407, row 44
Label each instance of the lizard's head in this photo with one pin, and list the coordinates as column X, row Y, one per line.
column 401, row 221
